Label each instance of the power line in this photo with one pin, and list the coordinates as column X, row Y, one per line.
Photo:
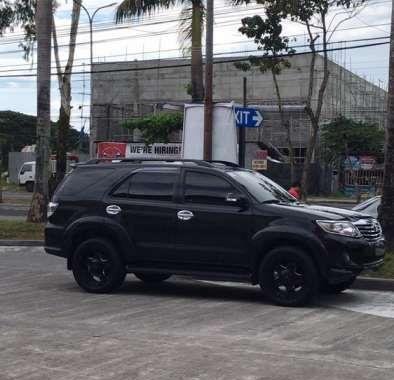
column 224, row 53
column 238, row 59
column 150, row 34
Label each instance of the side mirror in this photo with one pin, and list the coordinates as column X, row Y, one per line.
column 237, row 200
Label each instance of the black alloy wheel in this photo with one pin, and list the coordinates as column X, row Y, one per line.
column 288, row 277
column 97, row 267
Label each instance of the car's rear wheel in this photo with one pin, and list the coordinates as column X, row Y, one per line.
column 288, row 276
column 152, row 277
column 97, row 266
column 337, row 288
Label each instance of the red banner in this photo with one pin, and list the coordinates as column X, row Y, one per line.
column 111, row 150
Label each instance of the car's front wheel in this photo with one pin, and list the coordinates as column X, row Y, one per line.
column 152, row 277
column 97, row 266
column 288, row 276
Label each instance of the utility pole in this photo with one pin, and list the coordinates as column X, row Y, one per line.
column 387, row 207
column 208, row 105
column 91, row 20
column 242, row 130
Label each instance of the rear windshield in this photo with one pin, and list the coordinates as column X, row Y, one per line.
column 82, row 179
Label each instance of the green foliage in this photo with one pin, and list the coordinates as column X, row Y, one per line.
column 18, row 130
column 19, row 13
column 156, row 128
column 267, row 34
column 386, row 270
column 345, row 136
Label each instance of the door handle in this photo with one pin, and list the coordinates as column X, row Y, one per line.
column 113, row 210
column 185, row 215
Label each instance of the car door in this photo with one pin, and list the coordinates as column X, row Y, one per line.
column 212, row 226
column 148, row 211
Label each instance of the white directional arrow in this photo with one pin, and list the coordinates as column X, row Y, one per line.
column 257, row 118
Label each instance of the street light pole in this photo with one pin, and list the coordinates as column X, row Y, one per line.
column 91, row 20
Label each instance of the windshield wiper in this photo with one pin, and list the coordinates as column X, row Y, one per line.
column 268, row 201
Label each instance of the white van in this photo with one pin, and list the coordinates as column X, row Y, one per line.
column 27, row 174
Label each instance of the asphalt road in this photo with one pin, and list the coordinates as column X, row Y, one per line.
column 182, row 329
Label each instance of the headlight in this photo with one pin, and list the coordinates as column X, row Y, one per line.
column 52, row 206
column 339, row 228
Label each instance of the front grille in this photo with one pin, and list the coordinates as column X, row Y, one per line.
column 370, row 229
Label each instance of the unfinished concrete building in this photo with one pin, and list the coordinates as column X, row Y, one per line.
column 123, row 90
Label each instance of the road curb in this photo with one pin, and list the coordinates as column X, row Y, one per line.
column 21, row 243
column 371, row 283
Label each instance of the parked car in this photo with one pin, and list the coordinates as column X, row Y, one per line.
column 370, row 206
column 204, row 219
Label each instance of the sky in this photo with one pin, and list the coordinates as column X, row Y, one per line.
column 157, row 37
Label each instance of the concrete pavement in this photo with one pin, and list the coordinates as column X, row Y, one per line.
column 182, row 329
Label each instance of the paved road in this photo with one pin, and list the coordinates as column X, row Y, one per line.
column 182, row 329
column 13, row 211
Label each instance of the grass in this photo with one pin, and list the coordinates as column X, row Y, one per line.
column 21, row 230
column 386, row 270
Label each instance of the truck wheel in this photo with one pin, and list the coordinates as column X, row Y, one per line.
column 337, row 288
column 288, row 277
column 97, row 266
column 29, row 186
column 152, row 277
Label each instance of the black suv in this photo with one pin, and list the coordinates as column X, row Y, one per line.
column 205, row 219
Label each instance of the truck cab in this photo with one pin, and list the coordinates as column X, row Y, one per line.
column 27, row 174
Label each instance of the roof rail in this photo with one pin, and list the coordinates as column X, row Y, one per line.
column 227, row 163
column 205, row 163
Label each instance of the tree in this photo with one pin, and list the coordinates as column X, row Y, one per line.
column 191, row 28
column 43, row 19
column 387, row 208
column 64, row 79
column 267, row 34
column 156, row 128
column 324, row 16
column 19, row 13
column 18, row 130
column 318, row 15
column 343, row 137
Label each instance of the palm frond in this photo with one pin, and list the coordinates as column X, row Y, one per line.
column 186, row 23
column 129, row 9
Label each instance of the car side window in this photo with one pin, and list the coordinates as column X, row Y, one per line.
column 148, row 185
column 207, row 189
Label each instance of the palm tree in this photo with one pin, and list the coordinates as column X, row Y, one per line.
column 43, row 18
column 191, row 29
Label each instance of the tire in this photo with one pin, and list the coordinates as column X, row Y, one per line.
column 337, row 288
column 152, row 277
column 29, row 186
column 288, row 277
column 97, row 266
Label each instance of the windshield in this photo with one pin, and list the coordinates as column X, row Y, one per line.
column 261, row 187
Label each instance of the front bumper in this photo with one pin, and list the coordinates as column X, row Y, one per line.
column 54, row 240
column 348, row 257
